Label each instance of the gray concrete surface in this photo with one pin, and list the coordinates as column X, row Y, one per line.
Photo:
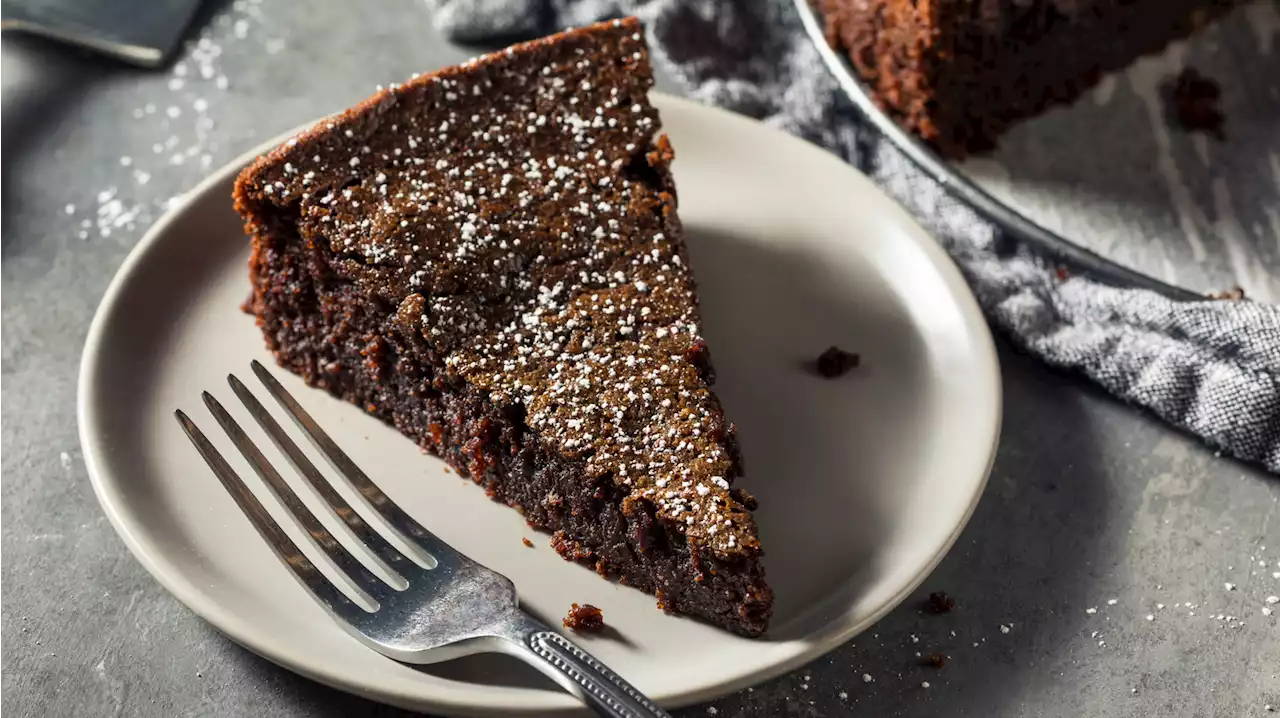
column 1096, row 515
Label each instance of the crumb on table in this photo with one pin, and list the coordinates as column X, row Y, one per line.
column 940, row 602
column 586, row 618
column 935, row 660
column 525, row 540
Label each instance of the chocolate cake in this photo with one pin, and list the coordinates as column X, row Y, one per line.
column 489, row 259
column 959, row 72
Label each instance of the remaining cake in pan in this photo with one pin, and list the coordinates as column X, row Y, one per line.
column 959, row 72
column 489, row 258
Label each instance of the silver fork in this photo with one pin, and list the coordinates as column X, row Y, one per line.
column 439, row 604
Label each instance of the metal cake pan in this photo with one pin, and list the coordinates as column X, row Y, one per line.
column 1009, row 220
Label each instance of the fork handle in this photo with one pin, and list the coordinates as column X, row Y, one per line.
column 577, row 671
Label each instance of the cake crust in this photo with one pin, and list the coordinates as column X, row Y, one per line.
column 490, row 259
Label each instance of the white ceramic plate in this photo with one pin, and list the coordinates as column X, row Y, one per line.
column 864, row 482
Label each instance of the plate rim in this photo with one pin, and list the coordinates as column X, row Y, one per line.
column 114, row 503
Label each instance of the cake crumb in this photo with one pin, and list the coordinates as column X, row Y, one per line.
column 525, row 540
column 940, row 602
column 1234, row 294
column 1191, row 102
column 935, row 660
column 586, row 618
column 836, row 362
column 866, row 678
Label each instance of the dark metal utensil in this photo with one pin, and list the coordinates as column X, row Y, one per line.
column 140, row 32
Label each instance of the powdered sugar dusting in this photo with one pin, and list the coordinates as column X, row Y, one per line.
column 183, row 123
column 534, row 252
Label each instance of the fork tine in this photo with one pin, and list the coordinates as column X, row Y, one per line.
column 359, row 527
column 283, row 546
column 372, row 495
column 355, row 571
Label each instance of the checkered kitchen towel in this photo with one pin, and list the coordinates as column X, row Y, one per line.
column 1209, row 367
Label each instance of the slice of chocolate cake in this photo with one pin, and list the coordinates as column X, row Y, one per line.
column 960, row 72
column 489, row 259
